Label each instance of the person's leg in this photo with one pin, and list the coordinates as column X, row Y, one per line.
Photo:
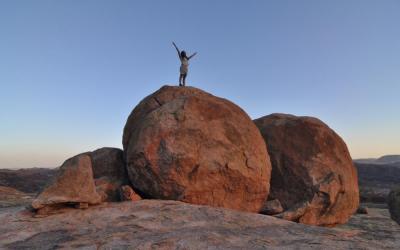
column 184, row 79
column 180, row 79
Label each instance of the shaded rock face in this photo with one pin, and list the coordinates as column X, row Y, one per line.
column 109, row 162
column 312, row 173
column 394, row 204
column 181, row 143
column 73, row 184
column 272, row 207
column 109, row 172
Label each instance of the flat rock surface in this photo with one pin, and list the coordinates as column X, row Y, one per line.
column 155, row 224
column 10, row 197
column 376, row 227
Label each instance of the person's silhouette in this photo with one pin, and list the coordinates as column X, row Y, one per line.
column 184, row 65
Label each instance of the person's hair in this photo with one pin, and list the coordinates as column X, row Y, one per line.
column 183, row 54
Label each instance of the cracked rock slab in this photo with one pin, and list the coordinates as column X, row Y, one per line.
column 155, row 224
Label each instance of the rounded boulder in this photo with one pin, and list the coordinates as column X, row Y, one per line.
column 181, row 143
column 313, row 175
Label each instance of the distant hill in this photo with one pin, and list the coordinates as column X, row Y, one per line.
column 383, row 175
column 376, row 179
column 28, row 180
column 386, row 159
column 389, row 159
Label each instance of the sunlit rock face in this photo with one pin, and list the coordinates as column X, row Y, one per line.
column 181, row 143
column 73, row 183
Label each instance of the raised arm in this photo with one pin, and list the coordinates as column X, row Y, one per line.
column 177, row 50
column 192, row 55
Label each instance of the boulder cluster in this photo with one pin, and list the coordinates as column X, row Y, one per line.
column 181, row 143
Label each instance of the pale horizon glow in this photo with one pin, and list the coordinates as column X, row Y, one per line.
column 72, row 71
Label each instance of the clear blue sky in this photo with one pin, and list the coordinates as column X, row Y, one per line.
column 71, row 71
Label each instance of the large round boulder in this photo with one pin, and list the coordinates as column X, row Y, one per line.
column 181, row 143
column 313, row 175
column 394, row 204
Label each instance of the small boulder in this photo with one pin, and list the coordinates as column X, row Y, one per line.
column 86, row 179
column 73, row 183
column 126, row 193
column 394, row 204
column 362, row 210
column 311, row 169
column 187, row 145
column 272, row 207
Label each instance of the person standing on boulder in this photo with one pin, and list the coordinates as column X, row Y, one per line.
column 184, row 65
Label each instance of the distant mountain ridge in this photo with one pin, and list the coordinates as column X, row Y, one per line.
column 384, row 160
column 376, row 176
column 28, row 180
